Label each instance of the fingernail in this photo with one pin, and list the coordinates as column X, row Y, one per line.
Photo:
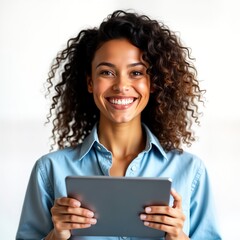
column 146, row 223
column 143, row 216
column 148, row 209
column 76, row 204
column 93, row 221
column 173, row 190
column 90, row 214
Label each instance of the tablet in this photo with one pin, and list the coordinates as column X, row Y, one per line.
column 117, row 203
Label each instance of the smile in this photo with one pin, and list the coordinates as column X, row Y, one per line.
column 121, row 101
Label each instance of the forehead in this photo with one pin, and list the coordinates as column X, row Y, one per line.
column 118, row 51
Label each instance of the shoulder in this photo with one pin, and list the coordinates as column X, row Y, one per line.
column 59, row 158
column 52, row 168
column 185, row 158
column 188, row 165
column 62, row 154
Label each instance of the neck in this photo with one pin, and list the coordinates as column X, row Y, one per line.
column 125, row 140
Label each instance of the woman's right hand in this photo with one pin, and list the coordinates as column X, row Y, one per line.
column 67, row 214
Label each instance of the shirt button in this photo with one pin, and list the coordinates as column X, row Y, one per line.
column 134, row 168
column 99, row 148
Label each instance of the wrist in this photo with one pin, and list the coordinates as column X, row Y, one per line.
column 185, row 237
column 54, row 236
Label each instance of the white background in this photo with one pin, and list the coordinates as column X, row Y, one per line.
column 32, row 32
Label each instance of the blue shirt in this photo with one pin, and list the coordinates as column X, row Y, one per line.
column 188, row 173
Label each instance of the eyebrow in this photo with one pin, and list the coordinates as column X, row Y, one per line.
column 112, row 65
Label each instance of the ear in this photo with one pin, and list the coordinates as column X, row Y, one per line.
column 90, row 85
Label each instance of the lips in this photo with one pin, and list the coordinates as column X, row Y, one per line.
column 121, row 101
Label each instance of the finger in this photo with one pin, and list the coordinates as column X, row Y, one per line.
column 70, row 202
column 177, row 203
column 162, row 210
column 74, row 219
column 158, row 219
column 164, row 219
column 166, row 228
column 69, row 226
column 66, row 210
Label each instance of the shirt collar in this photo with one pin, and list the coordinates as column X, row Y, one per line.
column 153, row 141
column 89, row 141
column 92, row 139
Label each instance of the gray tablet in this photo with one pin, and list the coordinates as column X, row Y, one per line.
column 117, row 203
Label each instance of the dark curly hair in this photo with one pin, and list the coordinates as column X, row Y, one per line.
column 173, row 105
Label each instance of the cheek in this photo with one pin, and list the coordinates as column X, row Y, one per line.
column 144, row 88
column 97, row 89
column 100, row 87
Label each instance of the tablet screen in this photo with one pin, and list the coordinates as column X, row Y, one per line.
column 117, row 203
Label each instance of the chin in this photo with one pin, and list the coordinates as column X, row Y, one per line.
column 123, row 120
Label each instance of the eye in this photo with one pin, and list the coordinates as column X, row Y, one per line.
column 106, row 73
column 136, row 73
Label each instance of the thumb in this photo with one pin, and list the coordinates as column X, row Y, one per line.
column 177, row 203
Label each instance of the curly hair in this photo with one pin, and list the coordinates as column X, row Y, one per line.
column 176, row 91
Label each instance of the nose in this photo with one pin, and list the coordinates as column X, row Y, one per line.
column 121, row 84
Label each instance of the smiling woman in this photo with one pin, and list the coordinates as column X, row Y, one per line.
column 175, row 91
column 119, row 82
column 123, row 106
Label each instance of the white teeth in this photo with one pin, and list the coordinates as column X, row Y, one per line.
column 124, row 101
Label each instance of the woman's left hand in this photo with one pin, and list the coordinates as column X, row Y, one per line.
column 166, row 218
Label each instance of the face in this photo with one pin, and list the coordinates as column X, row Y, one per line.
column 119, row 82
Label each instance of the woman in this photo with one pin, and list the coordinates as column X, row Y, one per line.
column 123, row 106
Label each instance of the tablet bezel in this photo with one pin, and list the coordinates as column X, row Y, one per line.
column 118, row 202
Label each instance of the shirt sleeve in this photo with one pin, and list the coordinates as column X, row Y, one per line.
column 203, row 221
column 35, row 222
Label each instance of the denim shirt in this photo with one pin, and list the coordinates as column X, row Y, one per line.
column 188, row 173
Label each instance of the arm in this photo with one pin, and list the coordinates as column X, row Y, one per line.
column 204, row 224
column 35, row 219
column 42, row 217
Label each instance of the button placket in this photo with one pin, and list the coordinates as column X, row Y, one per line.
column 105, row 159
